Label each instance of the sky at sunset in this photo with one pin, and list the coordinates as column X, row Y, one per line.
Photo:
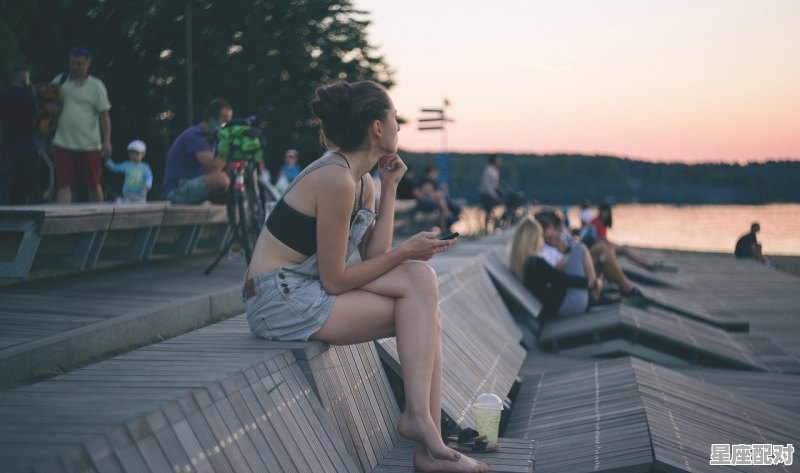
column 678, row 80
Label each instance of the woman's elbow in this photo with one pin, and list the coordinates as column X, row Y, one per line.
column 333, row 286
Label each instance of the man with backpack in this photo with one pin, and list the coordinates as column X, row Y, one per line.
column 193, row 169
column 77, row 146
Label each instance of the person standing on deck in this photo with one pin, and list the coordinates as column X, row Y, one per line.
column 489, row 188
column 77, row 146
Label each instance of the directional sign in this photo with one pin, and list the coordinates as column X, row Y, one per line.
column 437, row 121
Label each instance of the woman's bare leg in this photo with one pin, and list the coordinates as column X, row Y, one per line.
column 632, row 255
column 404, row 303
column 606, row 261
column 591, row 274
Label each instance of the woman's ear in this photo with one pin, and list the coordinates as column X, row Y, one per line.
column 376, row 130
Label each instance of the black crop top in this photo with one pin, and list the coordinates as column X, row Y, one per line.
column 297, row 230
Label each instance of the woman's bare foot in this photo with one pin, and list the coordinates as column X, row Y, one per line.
column 423, row 431
column 424, row 462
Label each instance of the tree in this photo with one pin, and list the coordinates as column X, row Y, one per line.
column 251, row 52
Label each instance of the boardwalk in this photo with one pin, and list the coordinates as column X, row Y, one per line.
column 217, row 399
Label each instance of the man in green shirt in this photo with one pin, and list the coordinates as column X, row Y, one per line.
column 77, row 146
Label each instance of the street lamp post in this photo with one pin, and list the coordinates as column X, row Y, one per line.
column 189, row 65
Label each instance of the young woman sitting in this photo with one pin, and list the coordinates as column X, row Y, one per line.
column 302, row 288
column 562, row 277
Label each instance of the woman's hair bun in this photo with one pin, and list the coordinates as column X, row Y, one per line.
column 332, row 102
column 345, row 111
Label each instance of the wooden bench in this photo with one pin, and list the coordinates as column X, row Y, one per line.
column 358, row 400
column 631, row 415
column 481, row 343
column 216, row 399
column 75, row 236
column 661, row 332
column 517, row 295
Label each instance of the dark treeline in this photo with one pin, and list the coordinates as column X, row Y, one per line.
column 252, row 52
column 276, row 52
column 568, row 179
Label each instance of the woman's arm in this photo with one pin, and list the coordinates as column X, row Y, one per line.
column 391, row 170
column 379, row 240
column 334, row 204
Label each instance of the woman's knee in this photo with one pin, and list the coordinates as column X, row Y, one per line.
column 420, row 273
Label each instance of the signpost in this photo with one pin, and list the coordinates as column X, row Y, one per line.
column 437, row 120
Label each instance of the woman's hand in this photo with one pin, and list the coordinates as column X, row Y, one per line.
column 423, row 246
column 391, row 169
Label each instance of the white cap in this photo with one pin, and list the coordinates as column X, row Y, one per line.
column 137, row 145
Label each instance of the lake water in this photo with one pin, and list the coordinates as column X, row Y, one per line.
column 713, row 228
column 704, row 227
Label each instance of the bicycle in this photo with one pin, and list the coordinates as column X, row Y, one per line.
column 247, row 198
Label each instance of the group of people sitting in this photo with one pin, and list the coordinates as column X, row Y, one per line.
column 430, row 194
column 564, row 271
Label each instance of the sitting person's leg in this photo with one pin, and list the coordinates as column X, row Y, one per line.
column 217, row 182
column 606, row 260
column 198, row 189
column 404, row 303
column 634, row 256
column 579, row 263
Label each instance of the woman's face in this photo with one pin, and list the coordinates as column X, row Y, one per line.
column 553, row 237
column 391, row 129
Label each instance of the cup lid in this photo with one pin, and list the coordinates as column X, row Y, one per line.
column 489, row 401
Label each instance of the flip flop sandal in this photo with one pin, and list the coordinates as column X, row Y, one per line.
column 477, row 447
column 466, row 435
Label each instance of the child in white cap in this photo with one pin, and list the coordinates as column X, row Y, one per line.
column 138, row 176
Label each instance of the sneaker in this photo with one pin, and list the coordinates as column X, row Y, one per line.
column 605, row 299
column 635, row 297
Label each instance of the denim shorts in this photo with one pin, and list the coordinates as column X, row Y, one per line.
column 287, row 306
column 189, row 191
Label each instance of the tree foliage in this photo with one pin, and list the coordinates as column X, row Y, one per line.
column 569, row 179
column 252, row 52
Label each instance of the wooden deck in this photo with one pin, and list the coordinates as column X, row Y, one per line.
column 629, row 415
column 218, row 399
column 51, row 327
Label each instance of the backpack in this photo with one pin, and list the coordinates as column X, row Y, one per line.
column 238, row 142
column 49, row 99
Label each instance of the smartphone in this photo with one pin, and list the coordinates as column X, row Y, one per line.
column 449, row 236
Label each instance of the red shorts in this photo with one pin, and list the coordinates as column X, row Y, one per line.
column 87, row 164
